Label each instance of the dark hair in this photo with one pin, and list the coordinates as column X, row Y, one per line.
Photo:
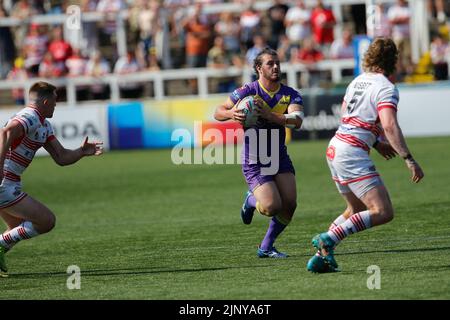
column 258, row 60
column 382, row 54
column 41, row 90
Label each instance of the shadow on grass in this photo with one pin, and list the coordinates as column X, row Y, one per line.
column 161, row 270
column 418, row 268
column 131, row 271
column 393, row 251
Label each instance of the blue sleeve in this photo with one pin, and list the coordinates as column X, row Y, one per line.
column 296, row 98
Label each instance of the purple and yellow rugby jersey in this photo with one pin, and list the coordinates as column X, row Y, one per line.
column 277, row 102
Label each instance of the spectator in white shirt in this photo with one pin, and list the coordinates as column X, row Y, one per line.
column 98, row 67
column 125, row 65
column 399, row 16
column 378, row 24
column 298, row 22
column 342, row 48
column 76, row 67
column 439, row 51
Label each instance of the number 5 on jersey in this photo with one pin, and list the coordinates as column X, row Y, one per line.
column 354, row 101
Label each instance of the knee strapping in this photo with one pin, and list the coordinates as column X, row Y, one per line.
column 262, row 210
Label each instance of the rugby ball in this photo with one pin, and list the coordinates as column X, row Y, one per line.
column 247, row 105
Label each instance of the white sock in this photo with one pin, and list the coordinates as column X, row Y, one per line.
column 356, row 223
column 23, row 231
column 337, row 221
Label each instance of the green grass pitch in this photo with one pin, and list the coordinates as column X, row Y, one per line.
column 139, row 227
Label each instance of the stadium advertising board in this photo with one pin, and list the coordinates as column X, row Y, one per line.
column 150, row 124
column 424, row 110
column 322, row 115
column 190, row 123
column 164, row 124
column 72, row 125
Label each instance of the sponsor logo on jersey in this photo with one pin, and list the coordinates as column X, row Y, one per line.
column 331, row 152
column 284, row 101
column 298, row 100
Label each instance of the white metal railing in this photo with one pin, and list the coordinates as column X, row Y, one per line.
column 203, row 75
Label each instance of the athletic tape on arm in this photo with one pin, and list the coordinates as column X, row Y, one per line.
column 294, row 115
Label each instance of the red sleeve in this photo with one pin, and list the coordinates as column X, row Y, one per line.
column 331, row 16
column 50, row 138
column 386, row 104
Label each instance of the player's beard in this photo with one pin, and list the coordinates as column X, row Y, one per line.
column 272, row 76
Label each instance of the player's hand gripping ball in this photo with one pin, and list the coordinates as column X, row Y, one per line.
column 248, row 107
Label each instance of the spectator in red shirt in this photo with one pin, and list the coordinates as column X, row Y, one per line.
column 323, row 22
column 309, row 55
column 60, row 49
column 49, row 68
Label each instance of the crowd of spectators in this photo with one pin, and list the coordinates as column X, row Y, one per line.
column 179, row 33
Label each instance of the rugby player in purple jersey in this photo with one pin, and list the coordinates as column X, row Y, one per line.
column 272, row 186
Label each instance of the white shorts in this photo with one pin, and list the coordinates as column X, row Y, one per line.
column 10, row 193
column 351, row 168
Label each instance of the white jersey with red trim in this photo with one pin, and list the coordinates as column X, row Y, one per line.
column 37, row 131
column 366, row 95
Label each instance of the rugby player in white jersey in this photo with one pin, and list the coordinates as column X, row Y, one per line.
column 369, row 116
column 22, row 136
